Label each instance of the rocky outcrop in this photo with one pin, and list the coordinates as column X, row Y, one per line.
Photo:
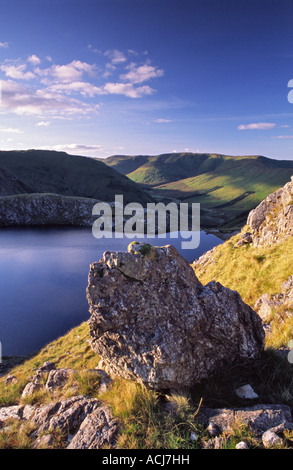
column 46, row 209
column 82, row 422
column 266, row 422
column 272, row 220
column 56, row 209
column 280, row 304
column 152, row 321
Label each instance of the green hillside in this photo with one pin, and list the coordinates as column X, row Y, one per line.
column 38, row 171
column 227, row 187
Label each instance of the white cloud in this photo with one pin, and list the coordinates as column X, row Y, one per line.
column 84, row 88
column 257, row 125
column 25, row 100
column 18, row 72
column 43, row 123
column 79, row 149
column 127, row 89
column 93, row 49
column 116, row 56
column 11, row 130
column 162, row 120
column 4, row 45
column 283, row 137
column 33, row 59
column 139, row 74
column 71, row 72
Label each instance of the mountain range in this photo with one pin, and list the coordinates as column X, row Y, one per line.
column 227, row 187
column 39, row 171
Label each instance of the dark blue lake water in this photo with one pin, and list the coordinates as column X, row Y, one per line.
column 43, row 280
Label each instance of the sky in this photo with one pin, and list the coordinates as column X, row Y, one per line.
column 107, row 77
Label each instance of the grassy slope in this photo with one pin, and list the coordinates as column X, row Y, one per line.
column 225, row 186
column 70, row 175
column 252, row 272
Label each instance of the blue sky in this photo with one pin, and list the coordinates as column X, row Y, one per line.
column 105, row 77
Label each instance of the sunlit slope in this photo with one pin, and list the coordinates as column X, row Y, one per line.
column 227, row 187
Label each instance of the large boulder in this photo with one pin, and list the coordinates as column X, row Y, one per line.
column 152, row 321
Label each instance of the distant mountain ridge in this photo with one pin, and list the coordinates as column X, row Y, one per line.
column 227, row 187
column 54, row 188
column 39, row 171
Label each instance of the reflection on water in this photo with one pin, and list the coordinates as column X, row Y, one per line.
column 43, row 279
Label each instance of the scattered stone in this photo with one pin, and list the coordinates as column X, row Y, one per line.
column 58, row 378
column 216, row 443
column 213, row 429
column 241, row 445
column 10, row 380
column 271, row 439
column 246, row 392
column 30, row 389
column 10, row 412
column 259, row 418
column 281, row 304
column 129, row 293
column 193, row 436
column 105, row 382
column 245, row 239
column 45, row 442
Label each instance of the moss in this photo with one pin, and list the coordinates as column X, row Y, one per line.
column 145, row 249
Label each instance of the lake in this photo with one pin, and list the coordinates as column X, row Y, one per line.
column 43, row 280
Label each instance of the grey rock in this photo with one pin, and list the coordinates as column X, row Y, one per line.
column 152, row 321
column 281, row 304
column 246, row 392
column 9, row 412
column 30, row 389
column 66, row 415
column 98, row 429
column 85, row 422
column 46, row 209
column 241, row 445
column 260, row 418
column 272, row 220
column 58, row 378
column 10, row 380
column 46, row 442
column 271, row 439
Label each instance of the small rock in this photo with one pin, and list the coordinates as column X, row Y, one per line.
column 213, row 429
column 246, row 392
column 270, row 439
column 45, row 441
column 30, row 389
column 10, row 379
column 58, row 378
column 193, row 436
column 241, row 445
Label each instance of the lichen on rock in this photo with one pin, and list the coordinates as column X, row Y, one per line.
column 152, row 321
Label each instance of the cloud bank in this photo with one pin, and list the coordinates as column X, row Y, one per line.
column 257, row 126
column 72, row 89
